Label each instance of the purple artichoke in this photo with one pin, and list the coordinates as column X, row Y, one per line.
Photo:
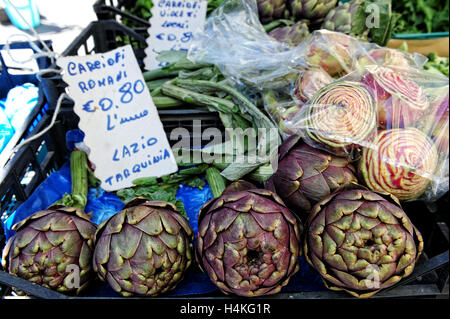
column 306, row 175
column 145, row 249
column 311, row 9
column 248, row 242
column 361, row 242
column 50, row 246
column 292, row 34
column 270, row 10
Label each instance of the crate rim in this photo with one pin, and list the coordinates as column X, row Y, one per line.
column 100, row 7
column 437, row 262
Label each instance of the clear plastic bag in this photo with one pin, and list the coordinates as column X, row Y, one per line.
column 375, row 105
column 392, row 120
column 234, row 39
column 341, row 117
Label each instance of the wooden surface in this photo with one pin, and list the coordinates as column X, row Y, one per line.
column 425, row 47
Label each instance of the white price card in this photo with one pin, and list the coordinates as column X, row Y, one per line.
column 173, row 25
column 117, row 114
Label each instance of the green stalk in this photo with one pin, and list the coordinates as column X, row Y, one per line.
column 277, row 23
column 159, row 74
column 154, row 84
column 80, row 181
column 246, row 104
column 216, row 182
column 162, row 102
column 221, row 105
column 262, row 174
column 156, row 92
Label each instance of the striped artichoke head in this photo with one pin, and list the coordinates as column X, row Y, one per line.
column 402, row 163
column 306, row 175
column 145, row 249
column 52, row 248
column 270, row 10
column 361, row 242
column 341, row 117
column 248, row 242
column 311, row 9
column 292, row 34
column 401, row 101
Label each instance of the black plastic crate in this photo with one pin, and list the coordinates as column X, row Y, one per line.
column 117, row 10
column 103, row 36
column 12, row 182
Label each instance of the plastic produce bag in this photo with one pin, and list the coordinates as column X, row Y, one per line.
column 234, row 39
column 339, row 118
column 351, row 98
column 392, row 120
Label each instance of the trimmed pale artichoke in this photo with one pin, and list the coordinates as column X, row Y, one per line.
column 248, row 242
column 331, row 51
column 270, row 10
column 306, row 175
column 309, row 82
column 402, row 163
column 361, row 242
column 311, row 9
column 145, row 249
column 385, row 57
column 50, row 247
column 341, row 117
column 401, row 101
column 292, row 35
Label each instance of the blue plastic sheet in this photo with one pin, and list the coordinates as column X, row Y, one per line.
column 102, row 205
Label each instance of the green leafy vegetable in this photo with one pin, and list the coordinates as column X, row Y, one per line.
column 421, row 16
column 437, row 64
column 165, row 188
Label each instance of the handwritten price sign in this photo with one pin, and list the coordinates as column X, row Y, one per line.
column 173, row 24
column 118, row 117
